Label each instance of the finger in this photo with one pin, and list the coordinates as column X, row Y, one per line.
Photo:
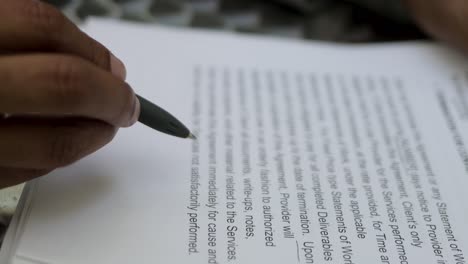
column 13, row 176
column 31, row 25
column 57, row 85
column 40, row 143
column 445, row 20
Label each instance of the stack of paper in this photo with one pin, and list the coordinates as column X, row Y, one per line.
column 306, row 153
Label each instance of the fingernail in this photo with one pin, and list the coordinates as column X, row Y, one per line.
column 136, row 112
column 118, row 68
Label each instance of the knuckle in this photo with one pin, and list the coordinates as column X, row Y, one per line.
column 68, row 77
column 64, row 149
column 99, row 54
column 47, row 19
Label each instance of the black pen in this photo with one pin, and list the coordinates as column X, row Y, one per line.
column 161, row 120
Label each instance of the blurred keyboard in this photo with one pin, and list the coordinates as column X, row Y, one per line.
column 332, row 20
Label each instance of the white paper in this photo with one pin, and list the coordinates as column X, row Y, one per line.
column 306, row 153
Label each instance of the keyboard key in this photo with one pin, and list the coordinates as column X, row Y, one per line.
column 203, row 6
column 92, row 8
column 58, row 3
column 243, row 20
column 234, row 6
column 250, row 30
column 272, row 15
column 165, row 7
column 207, row 20
column 330, row 25
column 135, row 10
column 123, row 1
column 136, row 17
column 285, row 32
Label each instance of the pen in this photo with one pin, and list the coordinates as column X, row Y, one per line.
column 161, row 120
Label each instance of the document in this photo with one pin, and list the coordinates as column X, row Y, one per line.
column 306, row 153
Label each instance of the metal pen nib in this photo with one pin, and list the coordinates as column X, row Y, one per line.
column 192, row 136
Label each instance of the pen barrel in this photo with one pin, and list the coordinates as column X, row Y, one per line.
column 161, row 120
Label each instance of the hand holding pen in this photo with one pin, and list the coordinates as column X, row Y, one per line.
column 63, row 95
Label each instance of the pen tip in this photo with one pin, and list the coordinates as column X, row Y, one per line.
column 192, row 136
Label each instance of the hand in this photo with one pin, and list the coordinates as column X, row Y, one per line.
column 63, row 94
column 446, row 20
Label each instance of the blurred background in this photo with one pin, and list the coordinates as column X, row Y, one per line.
column 333, row 20
column 348, row 21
